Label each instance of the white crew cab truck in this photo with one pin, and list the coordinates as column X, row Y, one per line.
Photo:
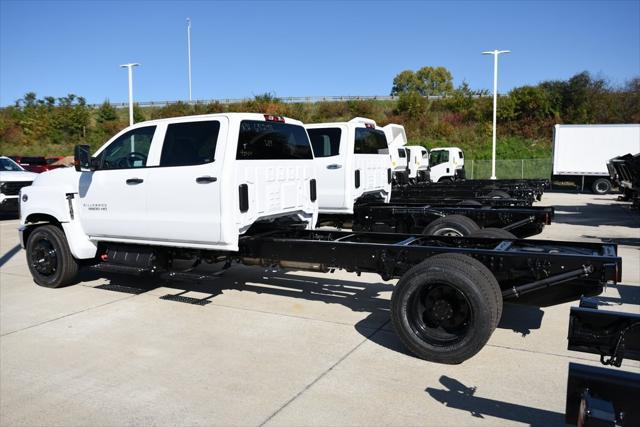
column 352, row 164
column 446, row 164
column 196, row 182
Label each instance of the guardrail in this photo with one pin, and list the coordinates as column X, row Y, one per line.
column 285, row 99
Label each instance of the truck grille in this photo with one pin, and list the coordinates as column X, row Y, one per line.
column 12, row 188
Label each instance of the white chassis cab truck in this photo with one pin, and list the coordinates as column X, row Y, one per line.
column 397, row 140
column 194, row 182
column 352, row 163
column 446, row 164
column 581, row 153
column 163, row 197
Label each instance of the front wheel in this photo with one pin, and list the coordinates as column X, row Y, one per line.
column 49, row 258
column 445, row 310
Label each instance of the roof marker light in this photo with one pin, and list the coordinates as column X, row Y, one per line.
column 271, row 118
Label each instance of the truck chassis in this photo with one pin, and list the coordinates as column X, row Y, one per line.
column 449, row 297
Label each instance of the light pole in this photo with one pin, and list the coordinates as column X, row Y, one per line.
column 130, row 67
column 189, row 52
column 495, row 54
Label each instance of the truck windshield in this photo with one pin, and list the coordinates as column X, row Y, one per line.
column 260, row 140
column 370, row 141
column 325, row 141
column 9, row 165
column 437, row 157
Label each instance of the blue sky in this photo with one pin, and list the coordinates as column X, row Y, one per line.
column 240, row 49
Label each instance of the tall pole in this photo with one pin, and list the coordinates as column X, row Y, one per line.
column 189, row 52
column 495, row 54
column 130, row 69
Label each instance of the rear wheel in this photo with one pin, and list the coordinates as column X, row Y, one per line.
column 498, row 194
column 601, row 186
column 444, row 310
column 451, row 225
column 49, row 258
column 493, row 233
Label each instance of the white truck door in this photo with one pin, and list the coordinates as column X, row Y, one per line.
column 112, row 198
column 183, row 191
column 329, row 151
column 441, row 167
column 372, row 160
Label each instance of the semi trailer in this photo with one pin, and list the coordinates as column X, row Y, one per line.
column 244, row 190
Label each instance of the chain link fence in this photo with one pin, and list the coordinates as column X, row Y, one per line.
column 509, row 169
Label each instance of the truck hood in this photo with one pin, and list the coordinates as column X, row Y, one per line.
column 17, row 176
column 61, row 177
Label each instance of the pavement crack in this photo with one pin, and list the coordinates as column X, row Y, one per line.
column 323, row 374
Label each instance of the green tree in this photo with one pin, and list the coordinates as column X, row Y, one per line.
column 405, row 82
column 435, row 81
column 106, row 113
column 412, row 104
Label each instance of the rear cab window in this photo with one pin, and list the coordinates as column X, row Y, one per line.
column 266, row 140
column 325, row 141
column 370, row 141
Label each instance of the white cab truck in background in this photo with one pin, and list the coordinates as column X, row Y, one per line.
column 195, row 182
column 352, row 163
column 446, row 164
column 418, row 163
column 581, row 152
column 397, row 140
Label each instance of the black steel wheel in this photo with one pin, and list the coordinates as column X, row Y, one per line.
column 451, row 225
column 444, row 309
column 498, row 194
column 601, row 186
column 49, row 258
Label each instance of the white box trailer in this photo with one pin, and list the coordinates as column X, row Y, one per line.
column 581, row 152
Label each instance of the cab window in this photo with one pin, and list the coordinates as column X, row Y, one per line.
column 402, row 153
column 460, row 154
column 191, row 143
column 370, row 141
column 129, row 151
column 267, row 140
column 438, row 157
column 325, row 141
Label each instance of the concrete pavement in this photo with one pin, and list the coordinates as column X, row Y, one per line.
column 254, row 347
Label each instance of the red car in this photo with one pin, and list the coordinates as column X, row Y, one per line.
column 37, row 164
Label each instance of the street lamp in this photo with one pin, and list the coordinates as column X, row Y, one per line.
column 495, row 54
column 130, row 67
column 189, row 52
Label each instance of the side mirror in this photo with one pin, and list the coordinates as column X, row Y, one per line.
column 82, row 158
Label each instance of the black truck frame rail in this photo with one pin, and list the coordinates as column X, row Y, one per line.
column 513, row 187
column 526, row 270
column 450, row 200
column 416, row 217
column 465, row 190
column 601, row 396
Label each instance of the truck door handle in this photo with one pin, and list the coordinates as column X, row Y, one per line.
column 334, row 166
column 132, row 181
column 206, row 179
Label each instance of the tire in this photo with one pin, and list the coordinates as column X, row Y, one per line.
column 451, row 225
column 49, row 258
column 498, row 194
column 487, row 274
column 469, row 203
column 444, row 310
column 445, row 179
column 601, row 186
column 493, row 233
